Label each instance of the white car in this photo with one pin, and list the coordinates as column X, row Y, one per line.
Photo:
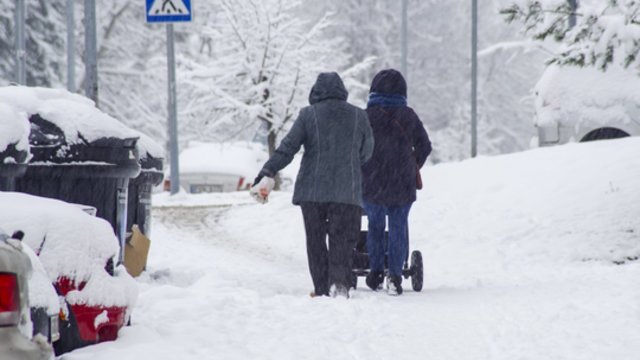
column 220, row 167
column 584, row 104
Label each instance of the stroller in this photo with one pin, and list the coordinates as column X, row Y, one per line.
column 412, row 267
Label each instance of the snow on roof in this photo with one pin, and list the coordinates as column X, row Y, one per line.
column 72, row 113
column 243, row 159
column 573, row 93
column 70, row 244
column 14, row 128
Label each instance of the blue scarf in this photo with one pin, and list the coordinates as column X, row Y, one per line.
column 386, row 100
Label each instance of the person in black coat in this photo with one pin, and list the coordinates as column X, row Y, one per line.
column 337, row 141
column 389, row 177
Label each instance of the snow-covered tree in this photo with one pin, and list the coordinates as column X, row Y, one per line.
column 439, row 68
column 369, row 28
column 605, row 32
column 250, row 66
column 44, row 42
column 132, row 67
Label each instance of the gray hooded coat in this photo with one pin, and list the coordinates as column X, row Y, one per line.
column 337, row 140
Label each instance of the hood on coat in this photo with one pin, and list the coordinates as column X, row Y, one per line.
column 328, row 86
column 389, row 81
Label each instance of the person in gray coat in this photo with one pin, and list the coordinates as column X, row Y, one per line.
column 337, row 140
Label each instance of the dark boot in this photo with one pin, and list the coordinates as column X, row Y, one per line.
column 394, row 285
column 374, row 280
column 339, row 290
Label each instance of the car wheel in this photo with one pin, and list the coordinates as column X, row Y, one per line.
column 416, row 271
column 604, row 134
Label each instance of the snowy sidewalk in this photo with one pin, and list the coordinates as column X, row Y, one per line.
column 519, row 255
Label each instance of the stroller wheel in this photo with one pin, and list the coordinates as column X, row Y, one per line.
column 416, row 270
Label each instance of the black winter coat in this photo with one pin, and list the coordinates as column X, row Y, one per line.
column 401, row 143
column 337, row 140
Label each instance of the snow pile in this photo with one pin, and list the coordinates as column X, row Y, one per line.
column 242, row 159
column 71, row 244
column 14, row 129
column 74, row 114
column 567, row 95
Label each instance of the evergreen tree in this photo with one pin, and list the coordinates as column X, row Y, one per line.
column 606, row 31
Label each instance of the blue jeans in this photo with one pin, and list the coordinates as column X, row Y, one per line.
column 398, row 246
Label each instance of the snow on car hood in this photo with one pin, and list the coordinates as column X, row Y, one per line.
column 72, row 113
column 573, row 94
column 70, row 244
column 242, row 159
column 14, row 128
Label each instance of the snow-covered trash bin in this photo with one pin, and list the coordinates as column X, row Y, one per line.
column 79, row 153
column 141, row 187
column 77, row 251
column 14, row 146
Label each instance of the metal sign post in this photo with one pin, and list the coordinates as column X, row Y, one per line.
column 91, row 53
column 405, row 40
column 173, row 112
column 170, row 11
column 572, row 17
column 474, row 78
column 71, row 47
column 21, row 49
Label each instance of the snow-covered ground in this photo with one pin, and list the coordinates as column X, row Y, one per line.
column 528, row 256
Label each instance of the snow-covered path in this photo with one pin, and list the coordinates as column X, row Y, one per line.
column 519, row 253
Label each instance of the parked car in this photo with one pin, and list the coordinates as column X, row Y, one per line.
column 226, row 167
column 584, row 104
column 219, row 167
column 20, row 338
column 78, row 253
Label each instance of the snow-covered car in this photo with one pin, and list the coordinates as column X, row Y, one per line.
column 226, row 167
column 77, row 252
column 220, row 167
column 584, row 104
column 23, row 294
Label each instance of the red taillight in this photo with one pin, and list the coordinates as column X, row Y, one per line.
column 240, row 183
column 9, row 299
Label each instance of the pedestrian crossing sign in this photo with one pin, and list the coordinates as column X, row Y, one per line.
column 167, row 11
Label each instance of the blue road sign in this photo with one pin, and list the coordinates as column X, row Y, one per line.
column 168, row 11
